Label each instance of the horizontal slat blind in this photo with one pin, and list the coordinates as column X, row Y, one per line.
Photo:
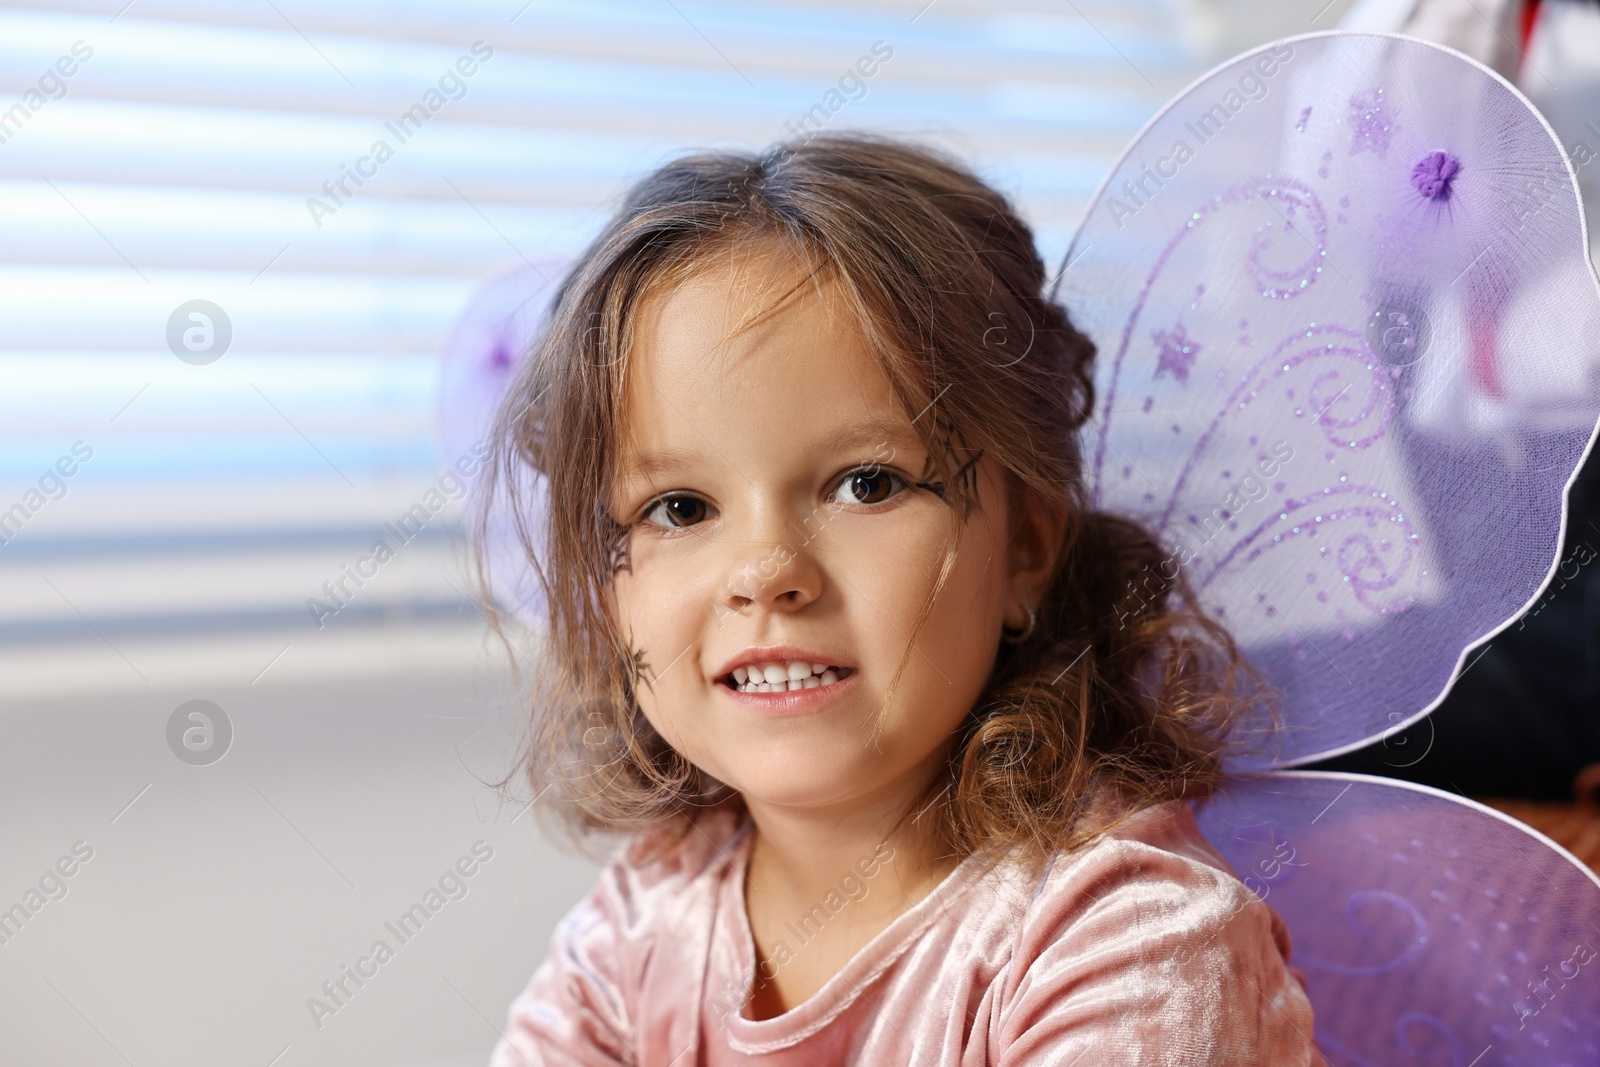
column 175, row 162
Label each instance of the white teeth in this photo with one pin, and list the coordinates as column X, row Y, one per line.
column 783, row 677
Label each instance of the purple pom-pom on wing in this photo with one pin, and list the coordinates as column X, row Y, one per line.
column 1433, row 174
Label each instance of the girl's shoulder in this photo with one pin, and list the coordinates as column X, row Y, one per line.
column 672, row 859
column 653, row 881
column 1154, row 856
column 647, row 909
column 1144, row 931
column 1169, row 827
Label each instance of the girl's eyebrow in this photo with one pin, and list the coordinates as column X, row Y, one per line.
column 661, row 461
column 873, row 432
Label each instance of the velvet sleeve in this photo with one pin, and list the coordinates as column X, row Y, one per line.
column 575, row 1010
column 1141, row 956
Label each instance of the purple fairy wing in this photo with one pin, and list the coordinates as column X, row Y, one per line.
column 486, row 345
column 1427, row 929
column 1345, row 318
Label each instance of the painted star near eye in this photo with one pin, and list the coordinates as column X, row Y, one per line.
column 1177, row 352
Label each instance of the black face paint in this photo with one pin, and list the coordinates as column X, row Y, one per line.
column 617, row 540
column 965, row 476
column 637, row 673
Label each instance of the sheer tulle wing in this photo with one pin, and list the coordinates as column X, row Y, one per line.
column 487, row 343
column 1429, row 930
column 1343, row 304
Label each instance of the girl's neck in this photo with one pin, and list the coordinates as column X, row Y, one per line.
column 799, row 857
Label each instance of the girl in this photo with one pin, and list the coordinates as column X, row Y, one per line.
column 904, row 734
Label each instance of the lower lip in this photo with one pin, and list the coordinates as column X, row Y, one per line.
column 791, row 701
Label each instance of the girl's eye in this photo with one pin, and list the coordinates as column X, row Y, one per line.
column 869, row 485
column 676, row 510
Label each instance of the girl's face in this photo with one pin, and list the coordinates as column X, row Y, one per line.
column 769, row 488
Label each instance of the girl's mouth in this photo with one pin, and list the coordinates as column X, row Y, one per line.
column 783, row 677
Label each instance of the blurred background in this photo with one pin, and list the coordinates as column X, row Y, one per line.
column 221, row 314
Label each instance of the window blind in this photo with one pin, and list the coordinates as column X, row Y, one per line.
column 159, row 153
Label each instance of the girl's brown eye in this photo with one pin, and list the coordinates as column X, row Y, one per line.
column 870, row 485
column 676, row 511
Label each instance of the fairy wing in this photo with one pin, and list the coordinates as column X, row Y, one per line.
column 487, row 343
column 1427, row 929
column 1344, row 311
column 1344, row 308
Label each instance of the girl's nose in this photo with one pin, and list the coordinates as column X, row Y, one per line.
column 779, row 576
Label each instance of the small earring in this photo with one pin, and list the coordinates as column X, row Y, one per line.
column 1017, row 637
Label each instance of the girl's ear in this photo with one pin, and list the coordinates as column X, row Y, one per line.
column 1038, row 528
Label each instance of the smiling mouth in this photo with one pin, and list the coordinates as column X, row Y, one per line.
column 781, row 677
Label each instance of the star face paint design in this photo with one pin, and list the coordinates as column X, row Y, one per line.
column 637, row 672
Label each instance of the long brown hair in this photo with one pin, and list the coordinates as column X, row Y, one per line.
column 1122, row 686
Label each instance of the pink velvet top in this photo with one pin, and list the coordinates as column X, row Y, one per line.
column 1141, row 948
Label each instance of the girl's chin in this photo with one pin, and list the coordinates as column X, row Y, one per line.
column 796, row 796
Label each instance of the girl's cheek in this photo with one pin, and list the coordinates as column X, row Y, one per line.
column 662, row 602
column 892, row 561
